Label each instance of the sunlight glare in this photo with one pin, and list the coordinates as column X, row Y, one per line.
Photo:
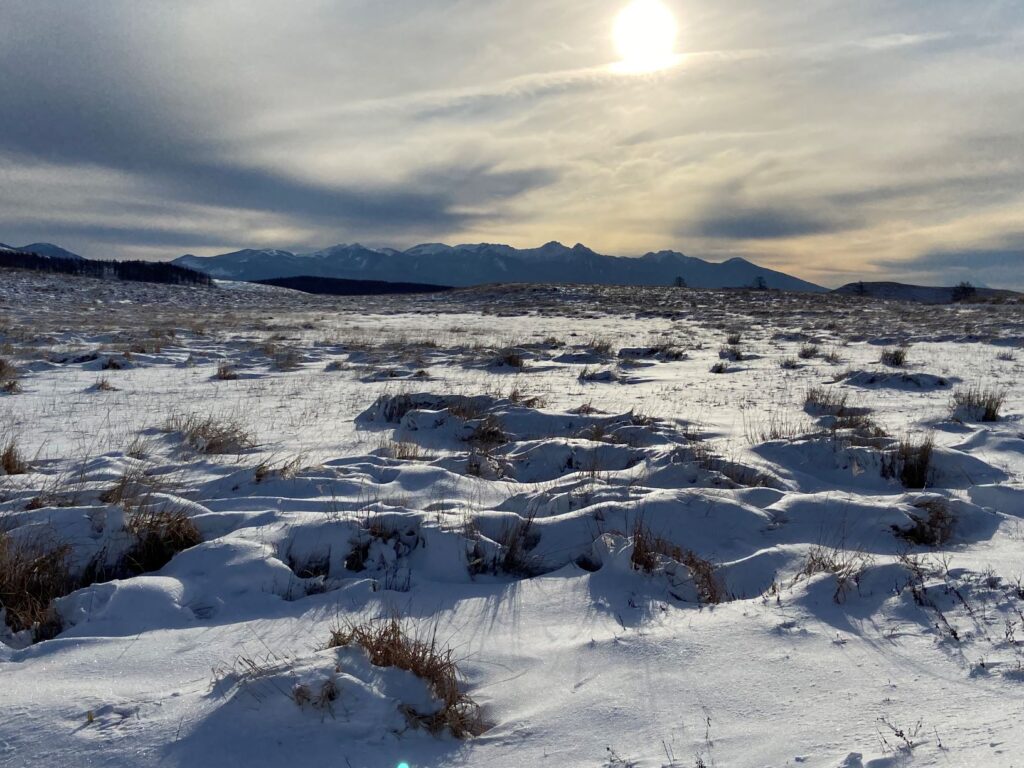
column 645, row 37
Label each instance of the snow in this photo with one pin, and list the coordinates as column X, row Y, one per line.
column 394, row 462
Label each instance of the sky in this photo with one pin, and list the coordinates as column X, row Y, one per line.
column 835, row 140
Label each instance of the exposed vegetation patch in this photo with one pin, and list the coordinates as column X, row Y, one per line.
column 977, row 403
column 33, row 573
column 895, row 357
column 650, row 551
column 12, row 461
column 910, row 461
column 388, row 643
column 933, row 525
column 825, row 400
column 211, row 435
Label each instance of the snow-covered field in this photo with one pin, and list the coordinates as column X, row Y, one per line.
column 644, row 542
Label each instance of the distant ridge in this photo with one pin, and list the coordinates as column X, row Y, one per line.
column 482, row 263
column 926, row 294
column 332, row 286
column 46, row 250
column 136, row 271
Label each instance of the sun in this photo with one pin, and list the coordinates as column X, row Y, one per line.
column 645, row 37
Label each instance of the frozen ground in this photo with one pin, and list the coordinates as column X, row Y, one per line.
column 635, row 560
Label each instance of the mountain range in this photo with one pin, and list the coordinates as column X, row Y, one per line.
column 466, row 265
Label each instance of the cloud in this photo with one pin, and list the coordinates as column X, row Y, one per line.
column 734, row 221
column 810, row 136
column 997, row 266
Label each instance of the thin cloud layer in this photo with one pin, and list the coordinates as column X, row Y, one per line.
column 828, row 138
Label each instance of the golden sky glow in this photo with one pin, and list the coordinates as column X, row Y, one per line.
column 836, row 140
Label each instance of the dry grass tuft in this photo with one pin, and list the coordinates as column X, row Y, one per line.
column 846, row 565
column 932, row 529
column 103, row 385
column 825, row 400
column 489, row 432
column 32, row 575
column 403, row 450
column 832, row 357
column 466, row 408
column 977, row 403
column 304, row 695
column 513, row 554
column 9, row 378
column 720, row 367
column 911, row 461
column 226, row 372
column 12, row 462
column 208, row 434
column 159, row 534
column 389, row 644
column 509, row 358
column 896, row 357
column 809, row 352
column 286, row 469
column 649, row 549
column 732, row 352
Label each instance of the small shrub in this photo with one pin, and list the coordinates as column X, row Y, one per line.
column 207, row 434
column 808, row 352
column 972, row 403
column 895, row 357
column 931, row 529
column 789, row 364
column 734, row 339
column 720, row 367
column 1006, row 357
column 389, row 644
column 910, row 461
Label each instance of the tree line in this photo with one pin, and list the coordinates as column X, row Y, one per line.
column 137, row 271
